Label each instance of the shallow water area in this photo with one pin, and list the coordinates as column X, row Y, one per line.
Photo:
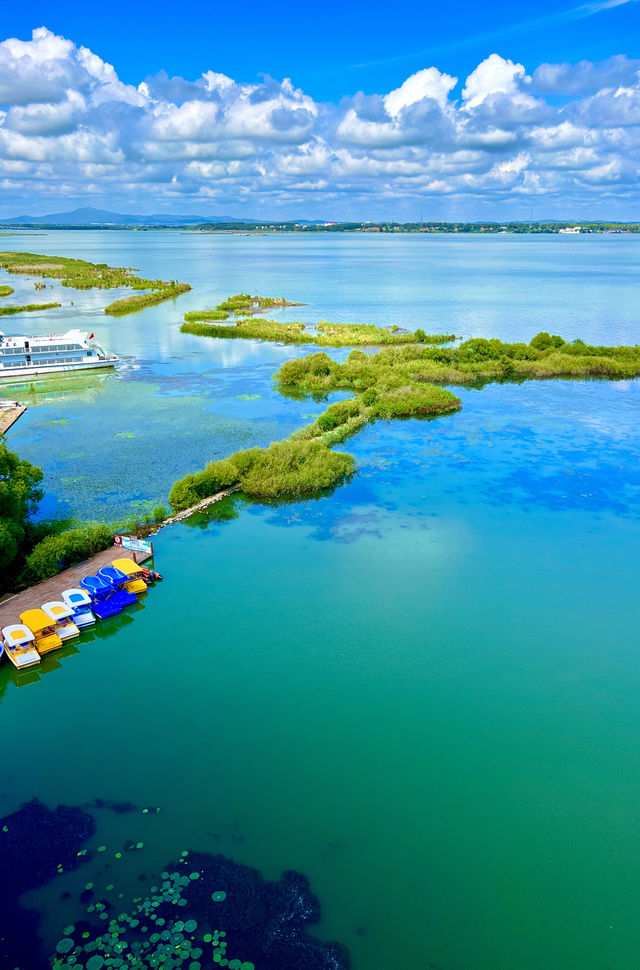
column 419, row 690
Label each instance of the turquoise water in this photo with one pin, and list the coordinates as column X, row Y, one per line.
column 421, row 690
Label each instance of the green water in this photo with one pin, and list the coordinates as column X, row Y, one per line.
column 421, row 690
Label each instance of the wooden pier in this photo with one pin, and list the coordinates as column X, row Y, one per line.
column 9, row 414
column 51, row 589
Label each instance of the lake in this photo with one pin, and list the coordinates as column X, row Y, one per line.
column 420, row 690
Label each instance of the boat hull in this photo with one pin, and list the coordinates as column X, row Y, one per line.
column 68, row 630
column 47, row 644
column 22, row 660
column 105, row 609
column 84, row 619
column 122, row 598
column 15, row 374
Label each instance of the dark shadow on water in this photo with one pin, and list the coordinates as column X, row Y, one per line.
column 201, row 907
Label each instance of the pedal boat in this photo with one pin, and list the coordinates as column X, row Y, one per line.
column 62, row 615
column 19, row 646
column 43, row 629
column 79, row 601
column 134, row 573
column 119, row 581
column 103, row 603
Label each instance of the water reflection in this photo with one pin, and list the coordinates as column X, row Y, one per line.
column 103, row 630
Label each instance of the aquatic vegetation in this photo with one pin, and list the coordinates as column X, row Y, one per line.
column 329, row 334
column 6, row 290
column 178, row 922
column 129, row 304
column 6, row 311
column 304, row 463
column 252, row 329
column 369, row 335
column 57, row 552
column 199, row 912
column 244, row 307
column 195, row 315
column 244, row 301
column 475, row 360
column 396, row 382
column 83, row 275
column 285, row 468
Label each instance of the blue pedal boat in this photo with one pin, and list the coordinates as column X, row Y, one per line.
column 103, row 597
column 118, row 580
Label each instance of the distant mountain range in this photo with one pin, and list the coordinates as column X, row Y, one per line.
column 100, row 217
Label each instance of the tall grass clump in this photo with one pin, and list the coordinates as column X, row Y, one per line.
column 285, row 468
column 129, row 304
column 200, row 315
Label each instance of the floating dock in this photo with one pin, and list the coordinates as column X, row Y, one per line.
column 9, row 414
column 51, row 589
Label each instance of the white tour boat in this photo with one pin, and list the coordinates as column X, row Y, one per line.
column 74, row 350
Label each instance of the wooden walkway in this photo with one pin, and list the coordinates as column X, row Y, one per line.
column 9, row 416
column 12, row 606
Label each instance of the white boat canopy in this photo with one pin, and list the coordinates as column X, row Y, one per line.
column 75, row 598
column 17, row 635
column 57, row 610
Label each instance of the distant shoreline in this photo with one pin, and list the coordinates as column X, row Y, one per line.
column 378, row 228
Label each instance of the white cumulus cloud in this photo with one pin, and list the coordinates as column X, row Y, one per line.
column 70, row 128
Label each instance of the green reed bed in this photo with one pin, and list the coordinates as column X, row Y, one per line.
column 79, row 274
column 244, row 301
column 245, row 307
column 251, row 329
column 369, row 335
column 329, row 334
column 6, row 290
column 201, row 315
column 129, row 304
column 6, row 311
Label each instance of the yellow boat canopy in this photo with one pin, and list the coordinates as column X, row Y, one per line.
column 36, row 620
column 128, row 566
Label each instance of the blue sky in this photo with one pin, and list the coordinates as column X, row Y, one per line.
column 334, row 48
column 458, row 110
